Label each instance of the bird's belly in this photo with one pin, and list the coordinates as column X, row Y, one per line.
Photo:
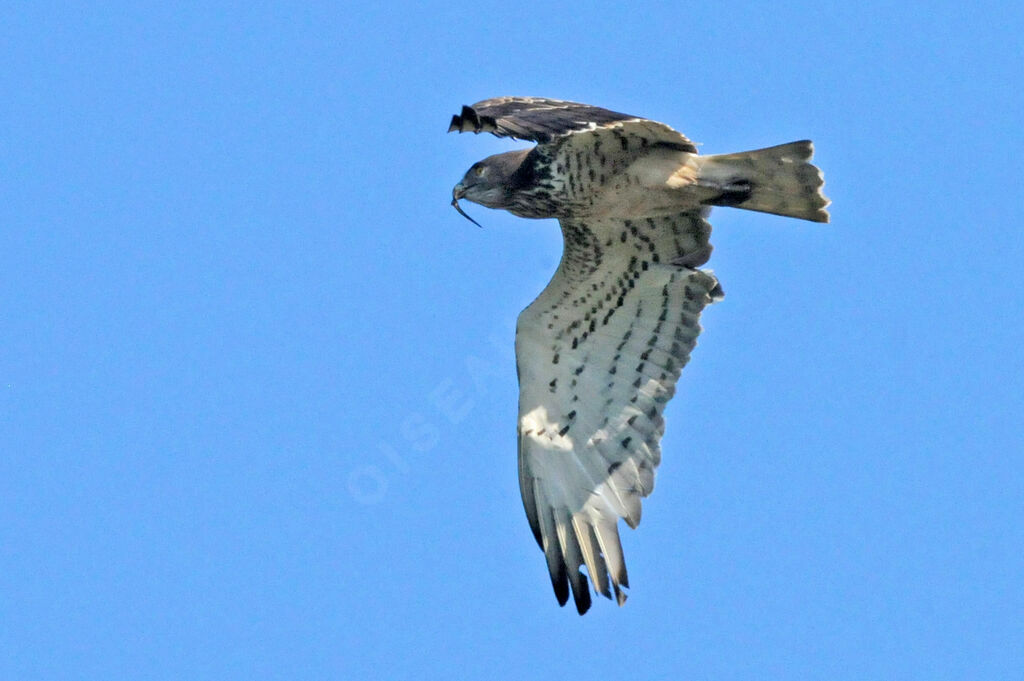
column 633, row 201
column 652, row 186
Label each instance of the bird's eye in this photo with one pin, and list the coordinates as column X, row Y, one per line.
column 478, row 171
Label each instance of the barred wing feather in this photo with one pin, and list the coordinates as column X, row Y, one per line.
column 599, row 353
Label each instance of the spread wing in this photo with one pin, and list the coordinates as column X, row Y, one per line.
column 544, row 120
column 598, row 354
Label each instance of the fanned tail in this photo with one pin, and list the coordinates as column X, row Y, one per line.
column 779, row 180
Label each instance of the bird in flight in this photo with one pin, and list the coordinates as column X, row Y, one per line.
column 599, row 351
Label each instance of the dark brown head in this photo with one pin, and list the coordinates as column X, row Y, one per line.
column 487, row 182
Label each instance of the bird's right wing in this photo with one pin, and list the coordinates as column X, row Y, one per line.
column 544, row 120
column 598, row 354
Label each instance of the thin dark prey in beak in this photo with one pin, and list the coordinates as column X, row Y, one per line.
column 456, row 206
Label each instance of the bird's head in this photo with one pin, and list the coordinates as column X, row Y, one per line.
column 488, row 182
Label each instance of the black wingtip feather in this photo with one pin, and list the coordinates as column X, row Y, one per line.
column 470, row 116
column 471, row 121
column 582, row 598
column 560, row 583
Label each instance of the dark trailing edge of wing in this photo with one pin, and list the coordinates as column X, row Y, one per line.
column 531, row 118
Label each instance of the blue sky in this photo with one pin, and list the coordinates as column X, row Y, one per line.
column 257, row 387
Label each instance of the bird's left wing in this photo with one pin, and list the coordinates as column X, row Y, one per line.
column 598, row 354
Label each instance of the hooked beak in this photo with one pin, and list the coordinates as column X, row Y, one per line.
column 457, row 193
